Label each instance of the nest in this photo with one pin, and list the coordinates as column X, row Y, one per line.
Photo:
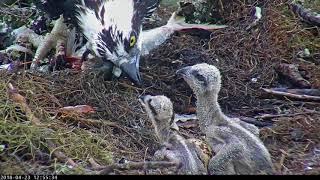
column 119, row 128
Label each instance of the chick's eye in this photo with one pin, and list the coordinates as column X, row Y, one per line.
column 199, row 77
column 133, row 40
column 152, row 108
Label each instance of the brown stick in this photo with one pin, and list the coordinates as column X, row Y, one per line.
column 95, row 165
column 137, row 165
column 296, row 96
column 130, row 86
column 309, row 92
column 270, row 116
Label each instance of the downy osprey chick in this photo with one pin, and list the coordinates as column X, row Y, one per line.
column 238, row 148
column 191, row 155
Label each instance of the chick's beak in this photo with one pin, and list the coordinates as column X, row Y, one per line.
column 141, row 98
column 183, row 72
column 131, row 68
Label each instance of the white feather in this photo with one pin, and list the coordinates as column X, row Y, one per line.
column 117, row 15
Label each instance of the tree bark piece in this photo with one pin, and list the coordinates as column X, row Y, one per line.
column 305, row 14
column 291, row 72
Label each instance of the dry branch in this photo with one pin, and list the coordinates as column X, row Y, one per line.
column 270, row 116
column 291, row 95
column 309, row 92
column 255, row 122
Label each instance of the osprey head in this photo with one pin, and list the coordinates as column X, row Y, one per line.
column 113, row 28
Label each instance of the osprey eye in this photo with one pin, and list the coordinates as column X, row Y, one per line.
column 132, row 41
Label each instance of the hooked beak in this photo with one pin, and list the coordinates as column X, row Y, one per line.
column 143, row 100
column 131, row 68
column 183, row 72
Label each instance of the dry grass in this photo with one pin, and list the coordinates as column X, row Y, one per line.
column 45, row 95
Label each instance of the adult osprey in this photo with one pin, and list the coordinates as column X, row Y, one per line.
column 112, row 27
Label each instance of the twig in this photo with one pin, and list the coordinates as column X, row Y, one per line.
column 270, row 116
column 22, row 13
column 221, row 5
column 255, row 122
column 119, row 127
column 95, row 165
column 309, row 92
column 137, row 165
column 54, row 99
column 92, row 122
column 96, row 123
column 130, row 86
column 296, row 96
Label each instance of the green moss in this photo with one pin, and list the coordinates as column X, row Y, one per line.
column 21, row 138
column 299, row 38
column 82, row 145
column 303, row 41
column 29, row 142
column 313, row 5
